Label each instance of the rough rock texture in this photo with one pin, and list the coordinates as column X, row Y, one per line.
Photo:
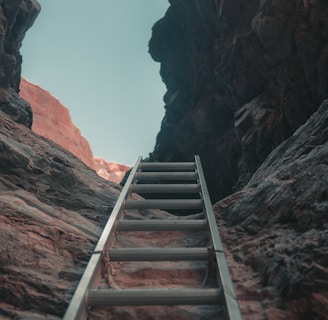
column 110, row 170
column 52, row 120
column 276, row 229
column 241, row 78
column 52, row 210
column 16, row 17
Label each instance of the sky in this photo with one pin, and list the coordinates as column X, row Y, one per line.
column 94, row 59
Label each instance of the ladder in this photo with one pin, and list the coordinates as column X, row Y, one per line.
column 158, row 179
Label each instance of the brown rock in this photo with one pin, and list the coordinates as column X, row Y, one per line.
column 52, row 120
column 52, row 209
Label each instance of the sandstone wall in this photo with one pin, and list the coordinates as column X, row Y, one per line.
column 51, row 119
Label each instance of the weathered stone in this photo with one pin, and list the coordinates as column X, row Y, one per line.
column 52, row 120
column 275, row 229
column 240, row 80
column 52, row 209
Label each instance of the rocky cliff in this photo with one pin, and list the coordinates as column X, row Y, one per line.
column 244, row 86
column 52, row 210
column 52, row 120
column 276, row 229
column 240, row 79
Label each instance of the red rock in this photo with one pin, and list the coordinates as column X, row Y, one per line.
column 52, row 120
column 109, row 170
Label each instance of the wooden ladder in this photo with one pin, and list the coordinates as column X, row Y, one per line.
column 158, row 178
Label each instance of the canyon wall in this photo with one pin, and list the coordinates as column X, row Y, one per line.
column 243, row 80
column 52, row 120
column 52, row 211
column 240, row 79
column 244, row 84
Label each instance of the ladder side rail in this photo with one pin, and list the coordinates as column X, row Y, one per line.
column 78, row 307
column 232, row 308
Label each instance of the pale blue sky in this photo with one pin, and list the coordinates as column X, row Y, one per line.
column 93, row 57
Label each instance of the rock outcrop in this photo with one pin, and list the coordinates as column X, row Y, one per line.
column 240, row 78
column 244, row 85
column 52, row 120
column 276, row 229
column 53, row 208
column 16, row 17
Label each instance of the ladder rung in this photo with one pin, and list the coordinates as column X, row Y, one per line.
column 158, row 254
column 162, row 225
column 135, row 297
column 164, row 204
column 157, row 166
column 151, row 297
column 166, row 175
column 165, row 188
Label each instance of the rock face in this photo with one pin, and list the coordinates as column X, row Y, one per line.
column 16, row 17
column 275, row 229
column 53, row 208
column 244, row 85
column 52, row 120
column 110, row 170
column 240, row 79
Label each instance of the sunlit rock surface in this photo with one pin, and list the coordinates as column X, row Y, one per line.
column 110, row 170
column 52, row 120
column 52, row 210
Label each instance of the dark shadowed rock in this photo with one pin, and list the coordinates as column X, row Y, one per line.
column 240, row 79
column 16, row 17
column 275, row 229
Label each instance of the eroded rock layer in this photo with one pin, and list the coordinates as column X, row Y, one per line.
column 52, row 120
column 241, row 78
column 275, row 229
column 52, row 210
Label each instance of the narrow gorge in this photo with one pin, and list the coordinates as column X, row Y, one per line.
column 247, row 85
